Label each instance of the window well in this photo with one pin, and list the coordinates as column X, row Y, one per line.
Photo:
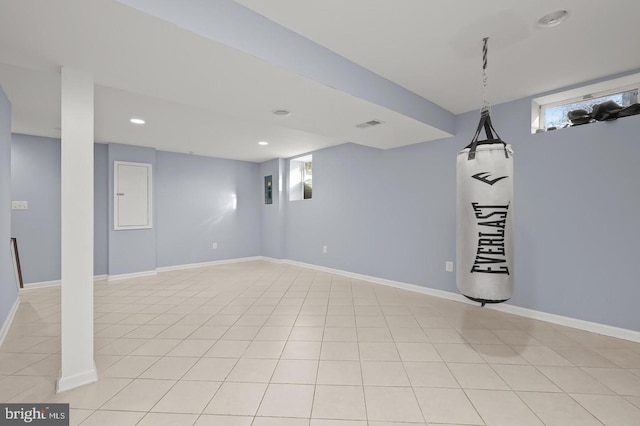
column 576, row 106
column 301, row 178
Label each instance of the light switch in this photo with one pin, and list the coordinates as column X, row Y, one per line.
column 19, row 205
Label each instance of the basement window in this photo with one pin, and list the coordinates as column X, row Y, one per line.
column 551, row 112
column 301, row 178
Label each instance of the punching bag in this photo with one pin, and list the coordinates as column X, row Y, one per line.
column 484, row 217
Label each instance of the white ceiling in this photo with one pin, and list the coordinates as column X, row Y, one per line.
column 433, row 48
column 204, row 97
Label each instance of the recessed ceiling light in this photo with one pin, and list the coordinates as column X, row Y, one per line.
column 552, row 19
column 263, row 143
column 282, row 112
column 137, row 121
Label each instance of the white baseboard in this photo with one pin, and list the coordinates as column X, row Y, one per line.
column 118, row 277
column 43, row 284
column 274, row 260
column 204, row 264
column 389, row 283
column 607, row 330
column 71, row 382
column 594, row 327
column 132, row 275
column 181, row 267
column 4, row 330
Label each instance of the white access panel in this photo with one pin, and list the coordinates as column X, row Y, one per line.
column 132, row 195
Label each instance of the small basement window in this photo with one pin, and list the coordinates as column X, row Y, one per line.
column 301, row 178
column 551, row 112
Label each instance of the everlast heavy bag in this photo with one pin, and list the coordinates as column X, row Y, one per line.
column 484, row 217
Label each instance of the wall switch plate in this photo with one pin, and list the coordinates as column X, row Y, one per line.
column 448, row 266
column 214, row 246
column 19, row 205
column 324, row 249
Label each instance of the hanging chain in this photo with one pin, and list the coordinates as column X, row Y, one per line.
column 486, row 106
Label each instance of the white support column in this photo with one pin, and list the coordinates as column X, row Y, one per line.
column 78, row 367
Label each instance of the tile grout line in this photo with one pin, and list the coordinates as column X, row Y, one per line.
column 395, row 344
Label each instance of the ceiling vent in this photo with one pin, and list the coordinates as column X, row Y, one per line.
column 369, row 123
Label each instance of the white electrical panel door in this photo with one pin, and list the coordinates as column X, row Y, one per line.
column 132, row 195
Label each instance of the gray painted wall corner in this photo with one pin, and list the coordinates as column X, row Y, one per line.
column 202, row 201
column 272, row 215
column 101, row 209
column 35, row 178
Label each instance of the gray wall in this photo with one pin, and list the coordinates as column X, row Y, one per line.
column 195, row 208
column 380, row 213
column 192, row 210
column 8, row 290
column 132, row 250
column 576, row 209
column 273, row 215
column 35, row 177
column 391, row 214
column 101, row 209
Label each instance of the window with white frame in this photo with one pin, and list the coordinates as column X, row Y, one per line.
column 301, row 178
column 551, row 112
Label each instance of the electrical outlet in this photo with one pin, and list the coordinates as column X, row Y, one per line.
column 324, row 249
column 19, row 205
column 448, row 266
column 214, row 246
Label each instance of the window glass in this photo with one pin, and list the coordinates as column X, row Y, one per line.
column 307, row 180
column 301, row 178
column 556, row 115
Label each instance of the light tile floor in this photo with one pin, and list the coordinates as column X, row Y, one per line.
column 263, row 344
